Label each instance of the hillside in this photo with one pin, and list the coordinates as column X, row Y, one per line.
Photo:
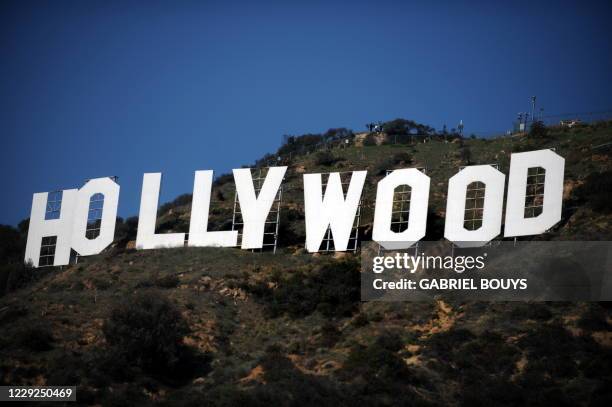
column 441, row 158
column 223, row 327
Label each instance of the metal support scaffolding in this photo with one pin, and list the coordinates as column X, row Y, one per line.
column 47, row 251
column 273, row 219
column 534, row 195
column 474, row 205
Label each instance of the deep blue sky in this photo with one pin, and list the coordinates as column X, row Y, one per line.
column 91, row 89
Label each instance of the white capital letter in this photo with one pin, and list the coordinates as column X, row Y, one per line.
column 333, row 210
column 255, row 209
column 454, row 229
column 145, row 236
column 554, row 164
column 80, row 243
column 198, row 225
column 41, row 227
column 417, row 220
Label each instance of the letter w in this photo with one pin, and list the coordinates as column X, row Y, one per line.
column 334, row 210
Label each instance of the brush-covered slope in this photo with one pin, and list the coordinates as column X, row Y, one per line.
column 224, row 327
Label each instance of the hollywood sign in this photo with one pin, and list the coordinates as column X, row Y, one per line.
column 330, row 209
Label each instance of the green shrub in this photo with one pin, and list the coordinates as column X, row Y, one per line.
column 330, row 335
column 374, row 361
column 595, row 318
column 402, row 157
column 538, row 130
column 11, row 313
column 390, row 341
column 125, row 231
column 385, row 165
column 109, row 365
column 325, row 158
column 554, row 352
column 481, row 392
column 406, row 127
column 101, row 283
column 14, row 276
column 534, row 311
column 300, row 144
column 487, row 352
column 291, row 229
column 167, row 281
column 12, row 245
column 284, row 385
column 378, row 371
column 597, row 191
column 369, row 140
column 37, row 338
column 466, row 155
column 336, row 134
column 360, row 320
column 527, row 144
column 393, row 162
column 64, row 367
column 333, row 289
column 126, row 395
column 459, row 351
column 443, row 344
column 181, row 200
column 276, row 366
column 147, row 330
column 223, row 179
